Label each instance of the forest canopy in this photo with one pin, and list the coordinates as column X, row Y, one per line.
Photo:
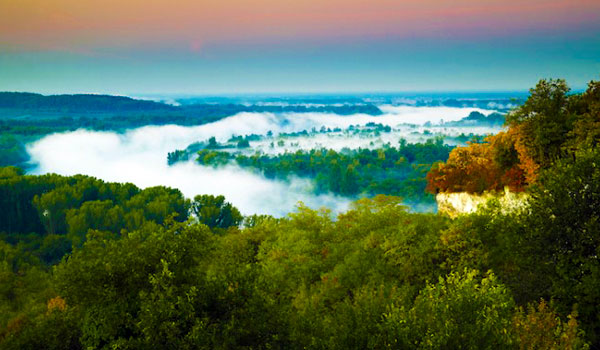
column 90, row 264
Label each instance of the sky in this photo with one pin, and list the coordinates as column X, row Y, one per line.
column 295, row 46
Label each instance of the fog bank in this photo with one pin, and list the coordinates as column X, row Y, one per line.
column 135, row 157
column 139, row 155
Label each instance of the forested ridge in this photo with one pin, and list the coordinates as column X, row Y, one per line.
column 90, row 264
column 19, row 104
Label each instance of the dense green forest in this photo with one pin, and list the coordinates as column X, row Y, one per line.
column 89, row 264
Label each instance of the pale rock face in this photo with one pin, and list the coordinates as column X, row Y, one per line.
column 460, row 203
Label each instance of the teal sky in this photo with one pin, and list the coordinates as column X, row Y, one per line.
column 453, row 57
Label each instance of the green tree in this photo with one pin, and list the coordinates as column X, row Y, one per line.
column 97, row 215
column 212, row 143
column 214, row 212
column 120, row 286
column 461, row 311
column 543, row 120
column 562, row 233
column 243, row 143
column 586, row 130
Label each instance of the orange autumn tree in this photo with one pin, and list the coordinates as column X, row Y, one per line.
column 491, row 165
column 550, row 125
column 527, row 163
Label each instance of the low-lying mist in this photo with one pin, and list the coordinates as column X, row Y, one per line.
column 135, row 157
column 139, row 156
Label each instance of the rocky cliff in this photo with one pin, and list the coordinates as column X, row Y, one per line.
column 459, row 203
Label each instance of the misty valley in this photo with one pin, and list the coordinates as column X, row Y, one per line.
column 261, row 155
column 384, row 221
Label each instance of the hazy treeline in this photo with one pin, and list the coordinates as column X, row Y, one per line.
column 15, row 104
column 502, row 102
column 12, row 151
column 26, row 117
column 478, row 119
column 39, row 121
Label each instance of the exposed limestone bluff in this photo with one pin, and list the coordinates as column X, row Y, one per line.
column 458, row 203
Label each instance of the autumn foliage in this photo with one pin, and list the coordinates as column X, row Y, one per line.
column 541, row 328
column 491, row 165
column 57, row 303
column 552, row 124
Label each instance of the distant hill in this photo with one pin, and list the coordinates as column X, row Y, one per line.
column 78, row 104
